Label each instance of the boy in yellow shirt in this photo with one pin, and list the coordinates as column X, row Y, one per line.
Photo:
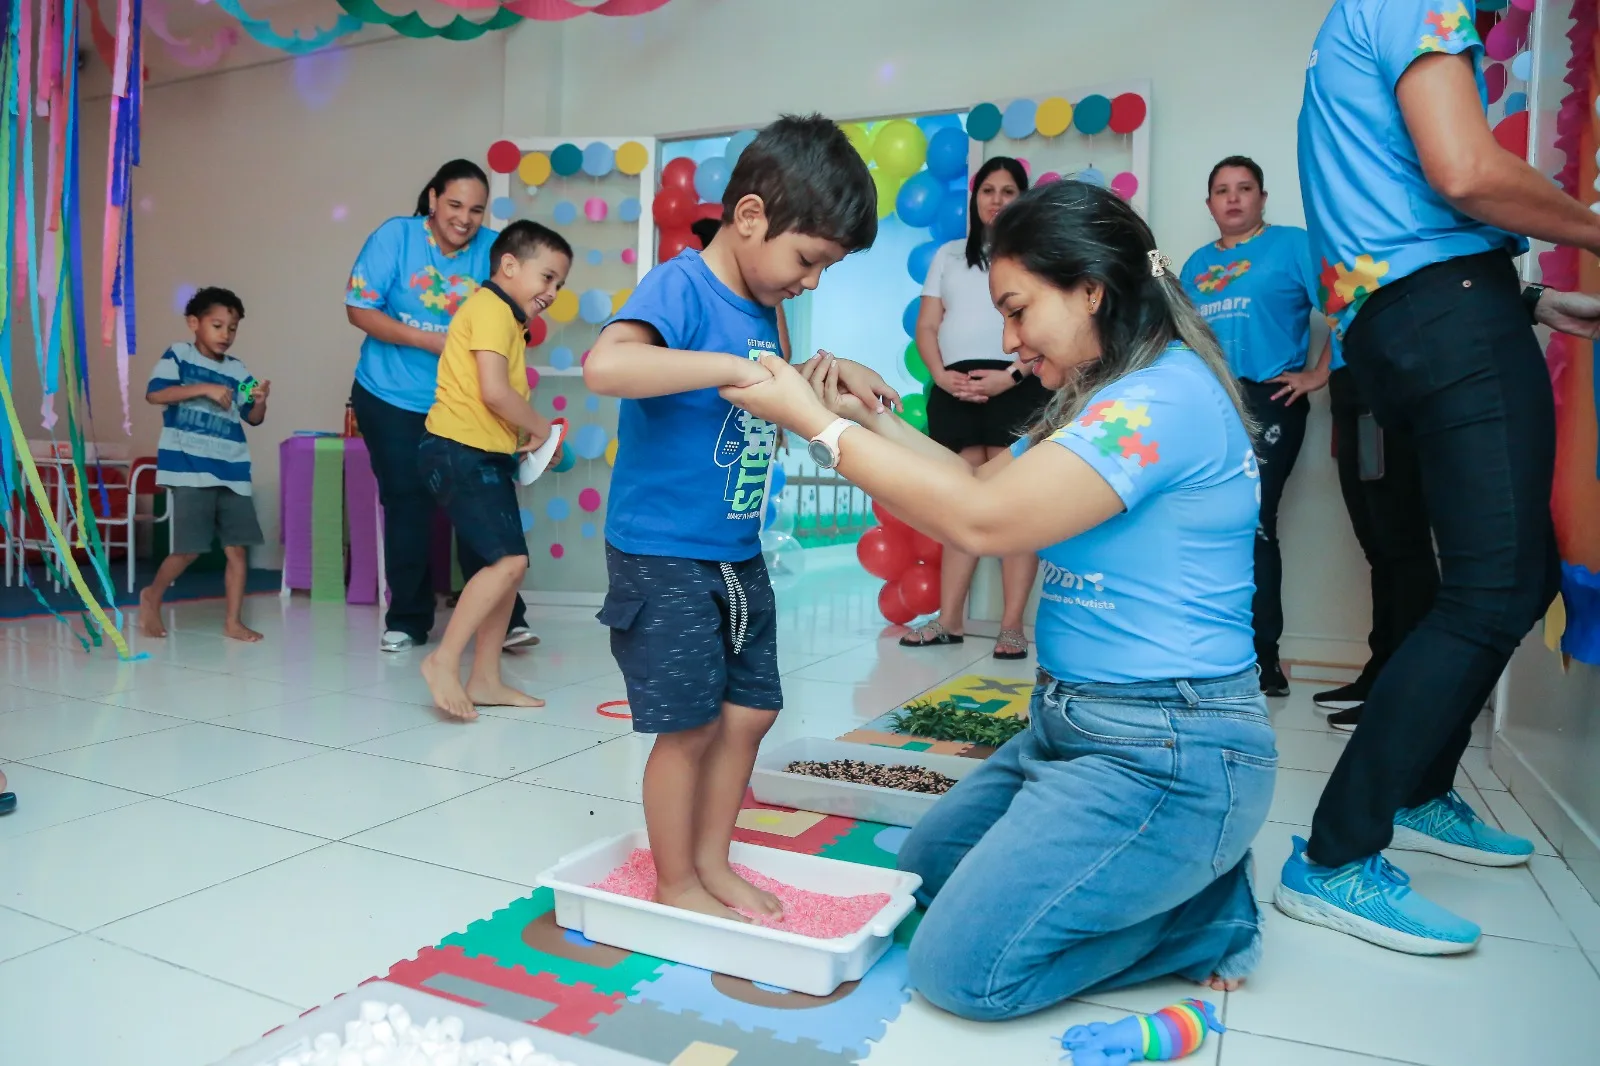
column 480, row 421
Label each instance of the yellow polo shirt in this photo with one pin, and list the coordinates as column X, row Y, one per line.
column 486, row 322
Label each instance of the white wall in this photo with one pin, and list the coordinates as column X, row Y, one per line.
column 1226, row 78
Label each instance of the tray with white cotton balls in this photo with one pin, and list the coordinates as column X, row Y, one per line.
column 383, row 1024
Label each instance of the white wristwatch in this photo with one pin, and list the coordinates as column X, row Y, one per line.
column 824, row 447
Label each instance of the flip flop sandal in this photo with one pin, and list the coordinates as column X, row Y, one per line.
column 930, row 635
column 8, row 802
column 1011, row 644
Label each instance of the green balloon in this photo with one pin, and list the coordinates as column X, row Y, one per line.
column 916, row 411
column 915, row 366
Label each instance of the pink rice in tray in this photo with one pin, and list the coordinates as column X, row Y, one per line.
column 813, row 914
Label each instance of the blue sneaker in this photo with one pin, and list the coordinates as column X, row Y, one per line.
column 1371, row 900
column 1449, row 826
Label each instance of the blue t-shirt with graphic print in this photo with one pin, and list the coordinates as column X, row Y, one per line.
column 1372, row 216
column 691, row 473
column 1161, row 591
column 403, row 272
column 1257, row 298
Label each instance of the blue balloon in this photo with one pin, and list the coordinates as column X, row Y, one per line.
column 918, row 200
column 503, row 207
column 594, row 306
column 1018, row 120
column 592, row 403
column 564, row 461
column 565, row 213
column 920, row 259
column 566, row 159
column 780, row 478
column 947, row 153
column 932, row 124
column 557, row 509
column 1091, row 176
column 1516, row 102
column 590, row 441
column 561, row 358
column 588, row 529
column 908, row 321
column 598, row 159
column 628, row 210
column 772, row 511
column 736, row 146
column 711, row 178
column 596, row 257
column 951, row 222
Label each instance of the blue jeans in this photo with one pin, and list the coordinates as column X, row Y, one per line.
column 1106, row 846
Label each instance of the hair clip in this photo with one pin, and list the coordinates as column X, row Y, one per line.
column 1159, row 264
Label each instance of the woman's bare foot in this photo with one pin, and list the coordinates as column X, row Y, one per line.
column 444, row 684
column 697, row 899
column 150, row 615
column 1222, row 984
column 740, row 894
column 499, row 694
column 240, row 631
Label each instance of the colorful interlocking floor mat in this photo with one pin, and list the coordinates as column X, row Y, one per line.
column 519, row 964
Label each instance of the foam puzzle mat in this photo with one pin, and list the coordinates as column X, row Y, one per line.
column 519, row 964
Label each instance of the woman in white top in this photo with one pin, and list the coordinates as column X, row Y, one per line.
column 980, row 401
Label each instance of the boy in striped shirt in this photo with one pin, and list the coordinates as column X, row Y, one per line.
column 203, row 457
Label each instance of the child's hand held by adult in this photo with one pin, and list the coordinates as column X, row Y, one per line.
column 786, row 398
column 746, row 372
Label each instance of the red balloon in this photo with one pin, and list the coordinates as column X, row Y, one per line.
column 674, row 241
column 504, row 157
column 884, row 552
column 537, row 332
column 1128, row 113
column 892, row 606
column 919, row 588
column 1512, row 133
column 709, row 210
column 679, row 174
column 885, row 519
column 924, row 549
column 673, row 208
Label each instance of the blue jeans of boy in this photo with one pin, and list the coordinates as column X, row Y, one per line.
column 1106, row 846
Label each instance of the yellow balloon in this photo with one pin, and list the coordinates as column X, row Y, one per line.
column 564, row 308
column 1053, row 117
column 534, row 169
column 900, row 148
column 632, row 158
column 611, row 452
column 619, row 298
column 888, row 186
column 860, row 139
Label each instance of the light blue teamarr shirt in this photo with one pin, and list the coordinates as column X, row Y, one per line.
column 1257, row 298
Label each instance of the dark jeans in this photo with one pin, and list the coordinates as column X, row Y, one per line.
column 392, row 436
column 1390, row 520
column 1448, row 356
column 1283, row 431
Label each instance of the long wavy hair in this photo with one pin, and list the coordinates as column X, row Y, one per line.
column 1068, row 233
column 977, row 237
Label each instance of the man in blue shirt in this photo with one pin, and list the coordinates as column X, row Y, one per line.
column 1253, row 285
column 1413, row 210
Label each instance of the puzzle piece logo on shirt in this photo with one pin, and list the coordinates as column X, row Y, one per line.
column 441, row 292
column 1219, row 277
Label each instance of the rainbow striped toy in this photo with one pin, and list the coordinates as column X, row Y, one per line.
column 1170, row 1033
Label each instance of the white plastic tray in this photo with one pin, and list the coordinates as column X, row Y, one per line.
column 297, row 1036
column 785, row 960
column 872, row 803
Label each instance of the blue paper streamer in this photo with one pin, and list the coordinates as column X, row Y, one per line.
column 1580, row 594
column 296, row 45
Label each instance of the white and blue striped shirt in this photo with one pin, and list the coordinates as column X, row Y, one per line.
column 202, row 445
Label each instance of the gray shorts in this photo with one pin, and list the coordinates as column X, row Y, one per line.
column 200, row 515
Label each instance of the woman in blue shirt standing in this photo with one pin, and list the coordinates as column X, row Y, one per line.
column 407, row 282
column 1117, row 828
column 1254, row 287
column 1415, row 212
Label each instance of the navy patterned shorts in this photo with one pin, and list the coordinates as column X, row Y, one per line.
column 690, row 636
column 478, row 491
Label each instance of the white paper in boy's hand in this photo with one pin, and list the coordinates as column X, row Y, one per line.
column 538, row 461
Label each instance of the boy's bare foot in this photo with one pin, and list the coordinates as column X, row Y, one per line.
column 1223, row 984
column 444, row 684
column 150, row 615
column 240, row 631
column 499, row 694
column 699, row 900
column 740, row 894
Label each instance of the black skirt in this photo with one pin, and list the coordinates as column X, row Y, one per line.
column 958, row 425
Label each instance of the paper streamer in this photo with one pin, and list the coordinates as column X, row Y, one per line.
column 262, row 32
column 183, row 50
column 557, row 10
column 327, row 520
column 412, row 24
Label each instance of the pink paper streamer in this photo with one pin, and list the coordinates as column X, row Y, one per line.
column 183, row 50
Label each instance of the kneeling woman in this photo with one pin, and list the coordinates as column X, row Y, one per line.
column 1108, row 844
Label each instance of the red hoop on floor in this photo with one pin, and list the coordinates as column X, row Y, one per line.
column 602, row 712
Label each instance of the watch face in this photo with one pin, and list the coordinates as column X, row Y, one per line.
column 821, row 455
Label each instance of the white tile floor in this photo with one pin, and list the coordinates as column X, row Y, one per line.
column 216, row 839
